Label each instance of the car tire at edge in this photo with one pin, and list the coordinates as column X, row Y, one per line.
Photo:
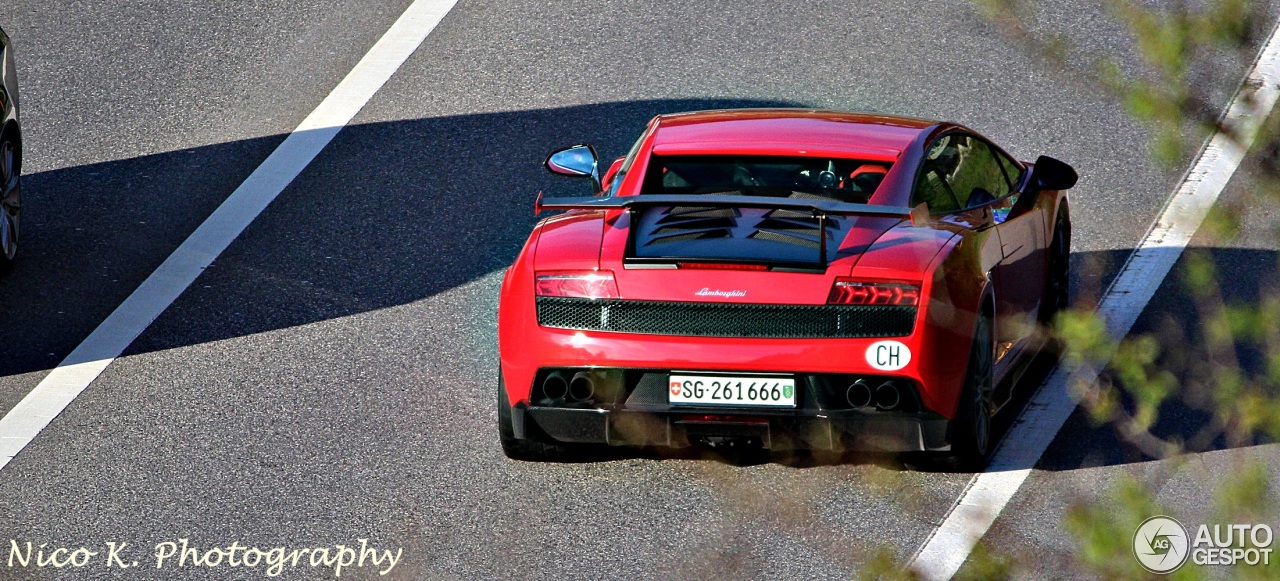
column 9, row 217
column 527, row 449
column 971, row 442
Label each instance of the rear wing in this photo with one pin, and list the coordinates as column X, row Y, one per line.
column 820, row 208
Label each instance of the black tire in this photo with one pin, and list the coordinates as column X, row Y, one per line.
column 528, row 449
column 1059, row 275
column 9, row 184
column 971, row 440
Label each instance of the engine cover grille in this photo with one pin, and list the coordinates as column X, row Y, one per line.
column 727, row 319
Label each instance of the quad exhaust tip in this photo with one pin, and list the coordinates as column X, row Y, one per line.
column 555, row 387
column 887, row 396
column 581, row 387
column 858, row 394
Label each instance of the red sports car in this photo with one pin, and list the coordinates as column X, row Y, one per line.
column 783, row 278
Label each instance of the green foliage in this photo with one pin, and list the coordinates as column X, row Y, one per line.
column 884, row 566
column 985, row 565
column 1180, row 53
column 1168, row 85
column 1245, row 496
column 1104, row 530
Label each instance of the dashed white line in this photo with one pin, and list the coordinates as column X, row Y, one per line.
column 57, row 390
column 976, row 510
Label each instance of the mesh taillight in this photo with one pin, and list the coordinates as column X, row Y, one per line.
column 851, row 292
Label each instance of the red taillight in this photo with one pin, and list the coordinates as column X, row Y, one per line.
column 583, row 284
column 850, row 292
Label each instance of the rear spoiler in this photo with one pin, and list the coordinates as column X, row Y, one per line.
column 918, row 215
column 818, row 207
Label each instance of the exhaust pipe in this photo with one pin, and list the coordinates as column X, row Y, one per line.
column 555, row 386
column 581, row 388
column 858, row 394
column 887, row 396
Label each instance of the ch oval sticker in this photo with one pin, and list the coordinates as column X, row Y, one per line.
column 888, row 355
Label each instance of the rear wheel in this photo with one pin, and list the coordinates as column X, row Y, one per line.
column 527, row 448
column 971, row 427
column 8, row 214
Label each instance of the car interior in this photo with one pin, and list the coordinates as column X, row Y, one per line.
column 844, row 180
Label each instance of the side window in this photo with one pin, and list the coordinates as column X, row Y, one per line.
column 933, row 184
column 1012, row 169
column 959, row 172
column 979, row 178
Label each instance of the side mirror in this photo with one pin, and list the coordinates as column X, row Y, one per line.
column 1051, row 174
column 578, row 161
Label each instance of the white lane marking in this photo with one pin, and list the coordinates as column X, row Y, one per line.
column 985, row 497
column 154, row 295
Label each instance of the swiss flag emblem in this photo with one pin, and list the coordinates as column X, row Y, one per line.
column 675, row 388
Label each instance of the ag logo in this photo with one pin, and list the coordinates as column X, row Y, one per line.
column 675, row 388
column 888, row 355
column 1160, row 544
column 787, row 390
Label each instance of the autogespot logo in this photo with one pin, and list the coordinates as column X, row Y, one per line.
column 1160, row 544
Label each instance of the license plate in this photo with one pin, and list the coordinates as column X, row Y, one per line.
column 753, row 391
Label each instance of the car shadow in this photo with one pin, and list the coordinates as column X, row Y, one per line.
column 1180, row 319
column 389, row 213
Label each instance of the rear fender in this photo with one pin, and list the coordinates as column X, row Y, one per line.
column 570, row 241
column 954, row 291
column 516, row 305
column 904, row 252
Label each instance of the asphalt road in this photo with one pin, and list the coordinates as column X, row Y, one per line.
column 330, row 377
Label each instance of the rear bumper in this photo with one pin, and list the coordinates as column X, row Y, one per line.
column 831, row 430
column 528, row 351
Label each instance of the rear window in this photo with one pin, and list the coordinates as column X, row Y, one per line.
column 845, row 180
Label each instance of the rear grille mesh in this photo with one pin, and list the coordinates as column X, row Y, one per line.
column 727, row 319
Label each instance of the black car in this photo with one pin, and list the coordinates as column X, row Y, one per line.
column 10, row 156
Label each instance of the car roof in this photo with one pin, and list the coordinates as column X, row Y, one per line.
column 786, row 132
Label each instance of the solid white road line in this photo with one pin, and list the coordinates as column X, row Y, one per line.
column 114, row 335
column 973, row 514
